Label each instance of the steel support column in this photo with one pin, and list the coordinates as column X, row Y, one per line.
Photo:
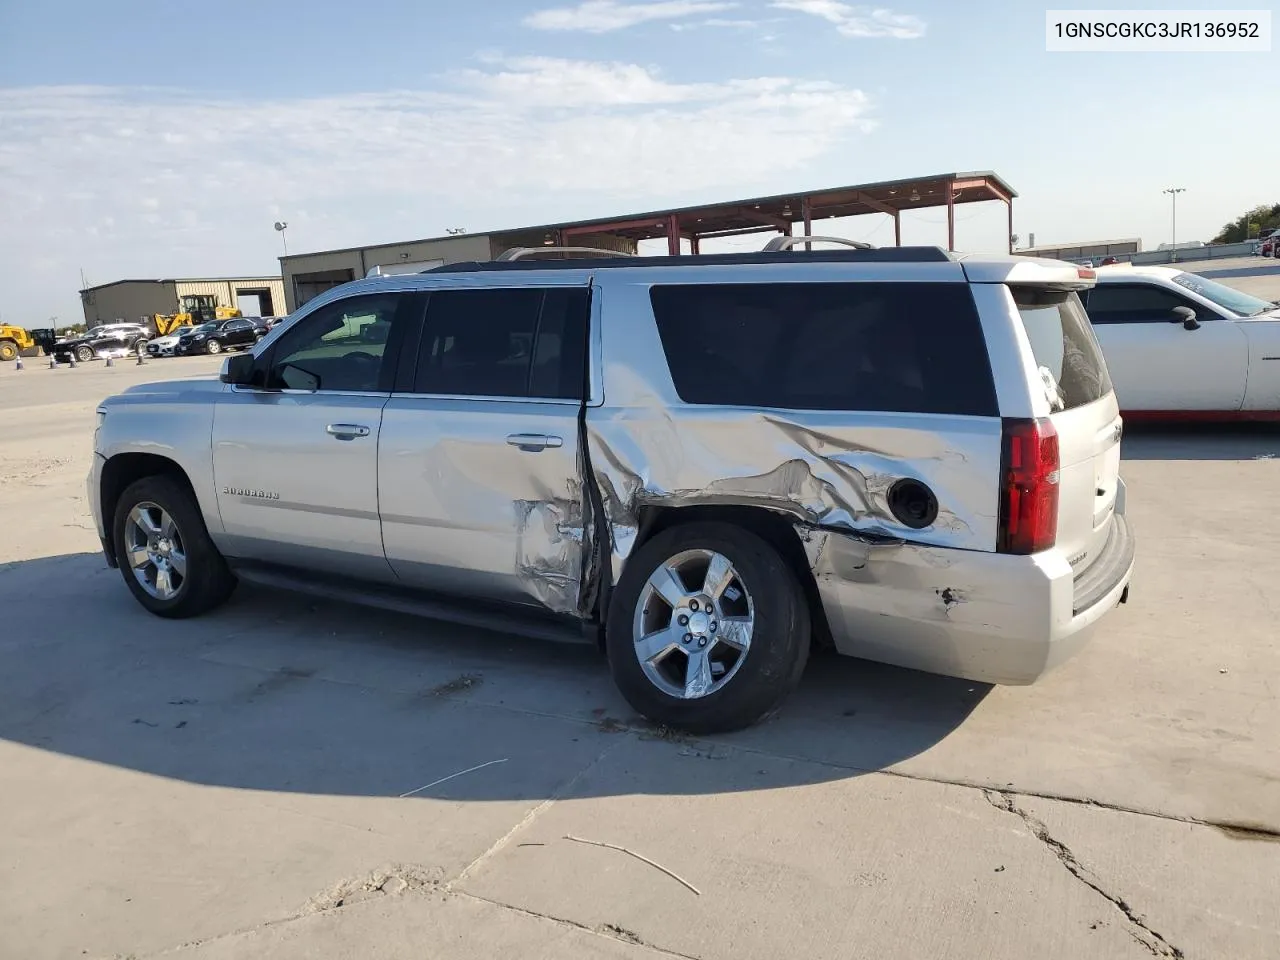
column 951, row 215
column 806, row 212
column 897, row 228
column 673, row 235
column 1009, row 203
column 694, row 247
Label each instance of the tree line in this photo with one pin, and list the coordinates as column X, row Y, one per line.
column 1250, row 225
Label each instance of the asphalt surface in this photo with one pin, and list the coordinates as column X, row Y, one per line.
column 292, row 778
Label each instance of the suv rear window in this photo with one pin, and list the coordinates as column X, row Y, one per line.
column 896, row 347
column 1067, row 354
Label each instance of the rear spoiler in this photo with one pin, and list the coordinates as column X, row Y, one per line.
column 1030, row 272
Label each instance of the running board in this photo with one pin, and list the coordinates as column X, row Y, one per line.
column 499, row 619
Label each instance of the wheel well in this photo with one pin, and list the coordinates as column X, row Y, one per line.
column 122, row 470
column 774, row 528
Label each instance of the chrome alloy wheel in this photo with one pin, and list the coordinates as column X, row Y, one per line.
column 693, row 625
column 155, row 550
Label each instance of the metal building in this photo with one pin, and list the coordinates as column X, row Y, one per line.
column 136, row 301
column 307, row 275
column 1088, row 250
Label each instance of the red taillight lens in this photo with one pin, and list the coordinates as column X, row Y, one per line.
column 1029, row 487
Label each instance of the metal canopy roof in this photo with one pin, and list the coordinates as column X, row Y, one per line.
column 780, row 212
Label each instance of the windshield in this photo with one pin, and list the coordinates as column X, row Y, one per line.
column 1238, row 303
column 181, row 330
column 206, row 328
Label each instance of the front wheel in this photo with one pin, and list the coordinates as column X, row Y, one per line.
column 84, row 354
column 708, row 630
column 213, row 347
column 164, row 551
column 8, row 350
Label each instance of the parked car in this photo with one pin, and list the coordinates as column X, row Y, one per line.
column 166, row 345
column 216, row 336
column 1183, row 346
column 702, row 462
column 106, row 340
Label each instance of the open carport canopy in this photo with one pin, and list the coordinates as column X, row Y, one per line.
column 781, row 213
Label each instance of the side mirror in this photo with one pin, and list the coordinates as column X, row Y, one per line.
column 238, row 369
column 1185, row 316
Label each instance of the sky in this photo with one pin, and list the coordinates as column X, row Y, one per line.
column 153, row 138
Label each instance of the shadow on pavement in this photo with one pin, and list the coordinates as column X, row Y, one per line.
column 282, row 693
column 1209, row 441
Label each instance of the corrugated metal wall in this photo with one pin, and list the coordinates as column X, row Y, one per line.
column 228, row 292
column 128, row 302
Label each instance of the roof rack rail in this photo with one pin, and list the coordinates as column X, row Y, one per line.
column 629, row 262
column 786, row 243
column 525, row 253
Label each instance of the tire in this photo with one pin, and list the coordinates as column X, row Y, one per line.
column 8, row 350
column 207, row 583
column 84, row 353
column 752, row 684
column 213, row 347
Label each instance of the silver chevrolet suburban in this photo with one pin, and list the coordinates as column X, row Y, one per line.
column 704, row 463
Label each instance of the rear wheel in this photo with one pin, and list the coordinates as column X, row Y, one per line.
column 164, row 551
column 212, row 347
column 8, row 350
column 708, row 629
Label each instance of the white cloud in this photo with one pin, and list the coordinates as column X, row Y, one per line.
column 855, row 21
column 152, row 182
column 604, row 16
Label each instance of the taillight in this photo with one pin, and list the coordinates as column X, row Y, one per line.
column 1029, row 474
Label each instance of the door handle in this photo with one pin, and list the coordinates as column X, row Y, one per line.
column 346, row 431
column 533, row 442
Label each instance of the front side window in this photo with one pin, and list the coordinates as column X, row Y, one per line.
column 327, row 351
column 1139, row 303
column 895, row 347
column 517, row 343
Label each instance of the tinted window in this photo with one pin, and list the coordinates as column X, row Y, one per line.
column 333, row 348
column 827, row 346
column 1137, row 303
column 504, row 343
column 1067, row 355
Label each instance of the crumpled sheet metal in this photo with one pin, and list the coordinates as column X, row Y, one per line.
column 825, row 470
column 550, row 539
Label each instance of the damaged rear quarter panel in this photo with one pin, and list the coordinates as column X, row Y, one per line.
column 827, row 469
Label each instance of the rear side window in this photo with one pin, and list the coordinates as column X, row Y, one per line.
column 1067, row 354
column 516, row 343
column 895, row 347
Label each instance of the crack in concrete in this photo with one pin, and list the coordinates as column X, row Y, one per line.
column 610, row 931
column 1153, row 941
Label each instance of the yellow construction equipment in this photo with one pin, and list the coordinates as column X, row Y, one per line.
column 13, row 340
column 196, row 309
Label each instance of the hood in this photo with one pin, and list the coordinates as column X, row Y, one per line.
column 194, row 390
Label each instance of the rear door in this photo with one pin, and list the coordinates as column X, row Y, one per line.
column 1085, row 414
column 479, row 463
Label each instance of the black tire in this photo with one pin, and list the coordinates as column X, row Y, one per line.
column 8, row 350
column 208, row 583
column 779, row 647
column 213, row 347
column 84, row 353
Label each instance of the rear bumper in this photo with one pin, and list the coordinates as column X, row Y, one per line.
column 988, row 617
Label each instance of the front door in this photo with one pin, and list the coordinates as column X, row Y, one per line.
column 479, row 461
column 1155, row 362
column 296, row 459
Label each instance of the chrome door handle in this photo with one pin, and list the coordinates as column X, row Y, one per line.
column 346, row 431
column 533, row 442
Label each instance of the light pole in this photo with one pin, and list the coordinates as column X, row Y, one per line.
column 1173, row 195
column 281, row 227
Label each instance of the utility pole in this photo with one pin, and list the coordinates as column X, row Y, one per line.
column 1173, row 196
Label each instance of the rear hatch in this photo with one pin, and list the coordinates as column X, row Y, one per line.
column 1085, row 415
